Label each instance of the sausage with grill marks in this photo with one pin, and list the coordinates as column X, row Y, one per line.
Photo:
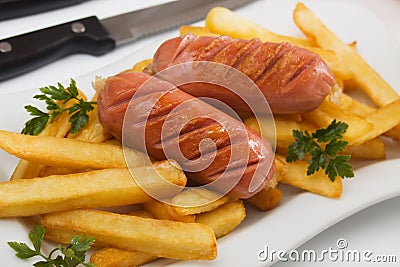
column 205, row 122
column 292, row 79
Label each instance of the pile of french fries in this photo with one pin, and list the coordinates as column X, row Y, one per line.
column 65, row 178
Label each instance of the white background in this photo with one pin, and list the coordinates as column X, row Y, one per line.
column 375, row 228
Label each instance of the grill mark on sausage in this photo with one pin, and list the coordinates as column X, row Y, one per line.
column 281, row 50
column 213, row 48
column 249, row 48
column 298, row 73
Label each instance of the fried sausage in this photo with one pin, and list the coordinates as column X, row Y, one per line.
column 153, row 115
column 292, row 79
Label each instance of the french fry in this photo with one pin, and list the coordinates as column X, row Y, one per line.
column 197, row 200
column 67, row 153
column 223, row 219
column 102, row 188
column 162, row 238
column 266, row 199
column 317, row 183
column 383, row 119
column 198, row 31
column 327, row 112
column 362, row 110
column 363, row 74
column 223, row 21
column 113, row 257
column 160, row 210
column 373, row 149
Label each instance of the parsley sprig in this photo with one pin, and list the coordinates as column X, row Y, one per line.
column 323, row 157
column 71, row 256
column 55, row 97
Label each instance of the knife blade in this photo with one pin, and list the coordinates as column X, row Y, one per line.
column 29, row 51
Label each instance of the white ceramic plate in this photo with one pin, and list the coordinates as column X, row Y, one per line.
column 301, row 215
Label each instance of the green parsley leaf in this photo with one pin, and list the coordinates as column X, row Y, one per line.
column 22, row 249
column 71, row 256
column 322, row 157
column 36, row 236
column 50, row 95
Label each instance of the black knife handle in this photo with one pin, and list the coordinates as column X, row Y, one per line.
column 29, row 51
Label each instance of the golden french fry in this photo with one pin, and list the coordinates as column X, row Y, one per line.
column 383, row 119
column 363, row 74
column 113, row 257
column 373, row 149
column 197, row 200
column 163, row 238
column 160, row 210
column 223, row 21
column 223, row 219
column 198, row 31
column 362, row 110
column 317, row 183
column 102, row 188
column 67, row 153
column 141, row 213
column 266, row 199
column 327, row 112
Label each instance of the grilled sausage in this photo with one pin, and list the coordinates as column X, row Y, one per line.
column 171, row 122
column 292, row 79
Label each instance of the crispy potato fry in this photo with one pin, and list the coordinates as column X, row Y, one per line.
column 317, row 183
column 266, row 199
column 383, row 119
column 223, row 219
column 113, row 257
column 362, row 110
column 67, row 153
column 327, row 112
column 363, row 75
column 163, row 211
column 140, row 66
column 197, row 200
column 163, row 238
column 373, row 149
column 223, row 21
column 198, row 31
column 102, row 188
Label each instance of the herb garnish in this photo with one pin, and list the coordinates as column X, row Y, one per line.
column 72, row 255
column 322, row 157
column 52, row 94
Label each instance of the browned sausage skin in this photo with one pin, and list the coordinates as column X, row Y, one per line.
column 231, row 138
column 292, row 79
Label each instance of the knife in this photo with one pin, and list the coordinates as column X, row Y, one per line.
column 90, row 35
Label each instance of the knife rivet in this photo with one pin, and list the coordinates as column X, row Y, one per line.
column 78, row 27
column 5, row 47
